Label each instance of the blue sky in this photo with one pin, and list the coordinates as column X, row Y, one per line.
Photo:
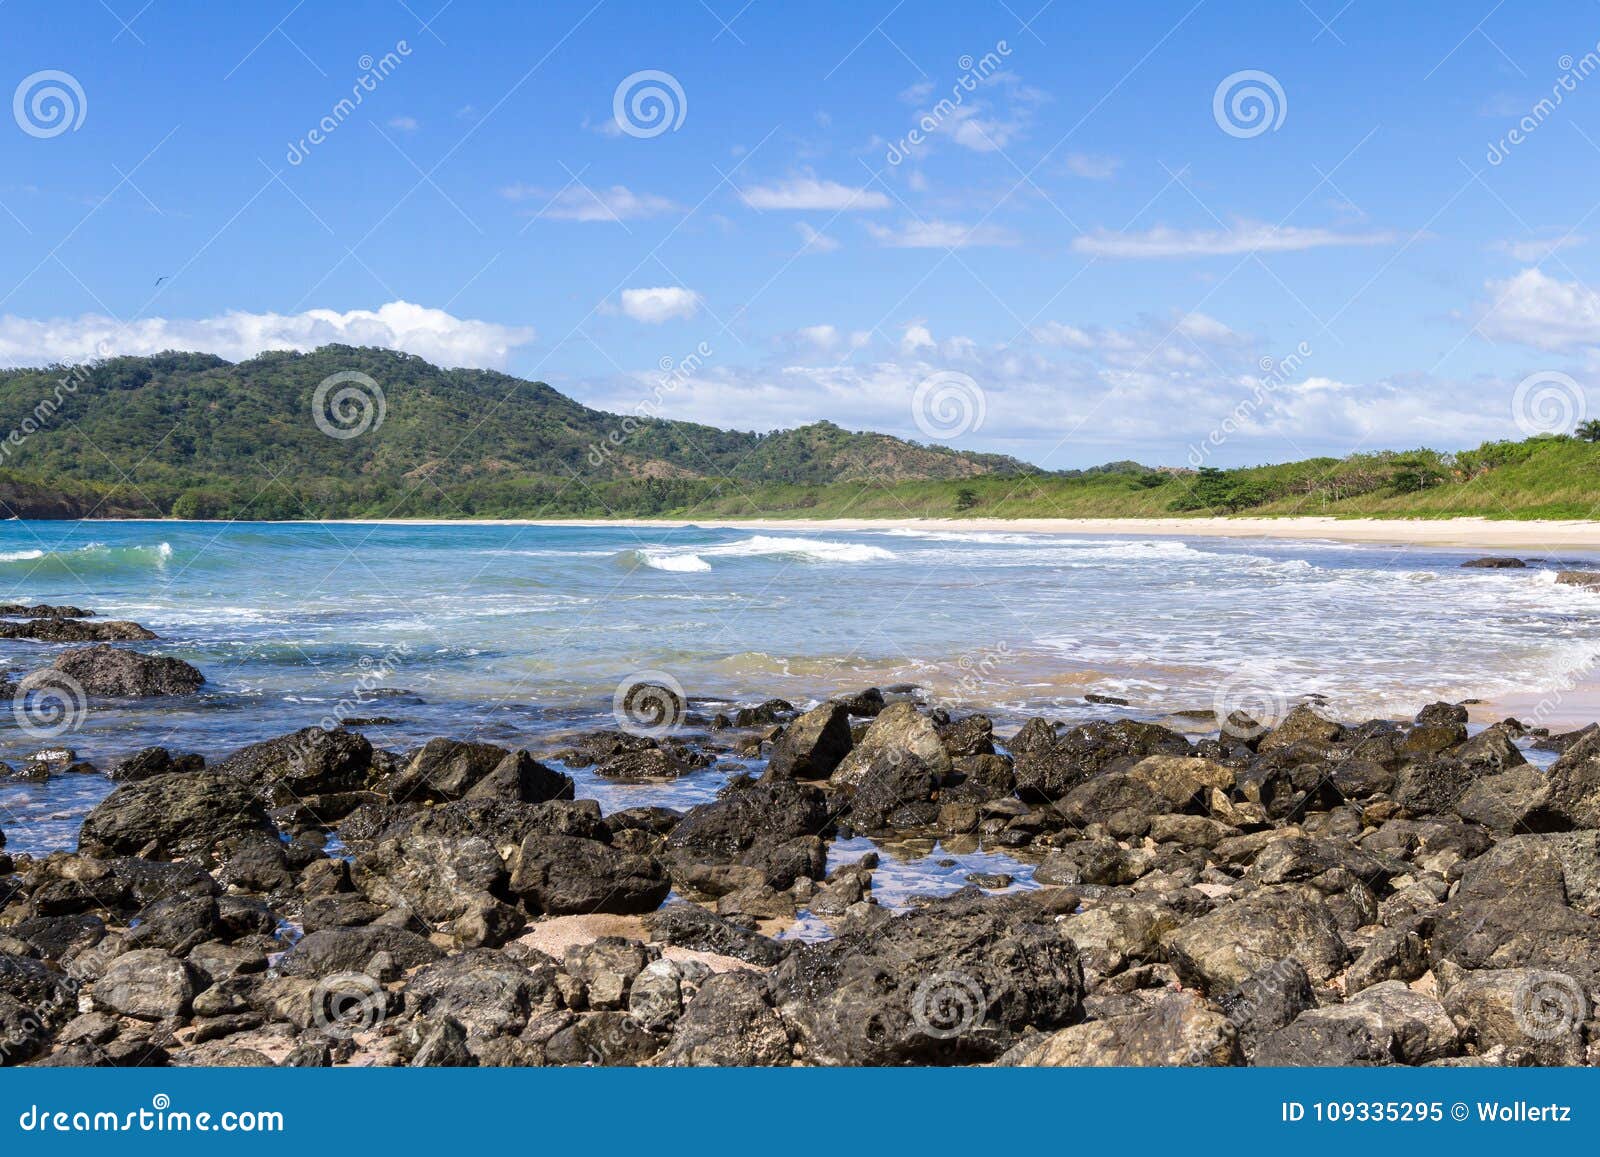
column 1101, row 262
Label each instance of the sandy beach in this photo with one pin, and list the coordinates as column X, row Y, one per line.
column 1536, row 537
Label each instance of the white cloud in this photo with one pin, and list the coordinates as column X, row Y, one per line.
column 1092, row 167
column 1531, row 250
column 1243, row 237
column 822, row 336
column 1138, row 392
column 939, row 235
column 662, row 303
column 404, row 124
column 810, row 193
column 581, row 203
column 429, row 333
column 815, row 241
column 1540, row 311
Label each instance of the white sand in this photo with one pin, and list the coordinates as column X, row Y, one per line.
column 1469, row 533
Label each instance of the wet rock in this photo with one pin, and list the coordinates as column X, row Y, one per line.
column 1095, row 861
column 125, row 674
column 1501, row 562
column 968, row 737
column 890, row 783
column 43, row 611
column 565, row 876
column 757, row 825
column 1183, row 780
column 153, row 761
column 864, row 704
column 813, row 745
column 898, row 731
column 1579, row 578
column 446, row 769
column 1224, row 948
column 308, row 762
column 62, row 630
column 172, row 816
column 978, row 779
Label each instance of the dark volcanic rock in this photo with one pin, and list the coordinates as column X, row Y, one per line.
column 173, row 816
column 812, row 746
column 1048, row 766
column 121, row 673
column 568, row 876
column 955, row 981
column 55, row 630
column 730, row 1022
column 1495, row 563
column 306, row 763
column 1225, row 948
column 688, row 925
column 153, row 761
column 334, row 950
column 43, row 611
column 900, row 729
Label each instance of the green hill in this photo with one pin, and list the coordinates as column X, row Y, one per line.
column 193, row 436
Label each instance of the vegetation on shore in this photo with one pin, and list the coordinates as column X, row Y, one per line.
column 193, row 436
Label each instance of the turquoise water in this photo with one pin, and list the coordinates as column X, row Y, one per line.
column 514, row 634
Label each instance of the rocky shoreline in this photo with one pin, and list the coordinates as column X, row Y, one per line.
column 1297, row 892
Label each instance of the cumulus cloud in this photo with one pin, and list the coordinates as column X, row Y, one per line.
column 581, row 203
column 1152, row 390
column 660, row 303
column 404, row 124
column 810, row 193
column 1243, row 237
column 939, row 235
column 1537, row 310
column 429, row 333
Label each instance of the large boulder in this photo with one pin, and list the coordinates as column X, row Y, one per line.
column 952, row 982
column 731, row 1022
column 486, row 991
column 308, row 762
column 147, row 984
column 757, row 825
column 172, row 816
column 1388, row 1023
column 331, row 951
column 1225, row 947
column 60, row 630
column 1575, row 784
column 1179, row 1029
column 559, row 875
column 1539, row 1012
column 125, row 674
column 813, row 745
column 899, row 730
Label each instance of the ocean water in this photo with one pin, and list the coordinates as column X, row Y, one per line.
column 515, row 634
